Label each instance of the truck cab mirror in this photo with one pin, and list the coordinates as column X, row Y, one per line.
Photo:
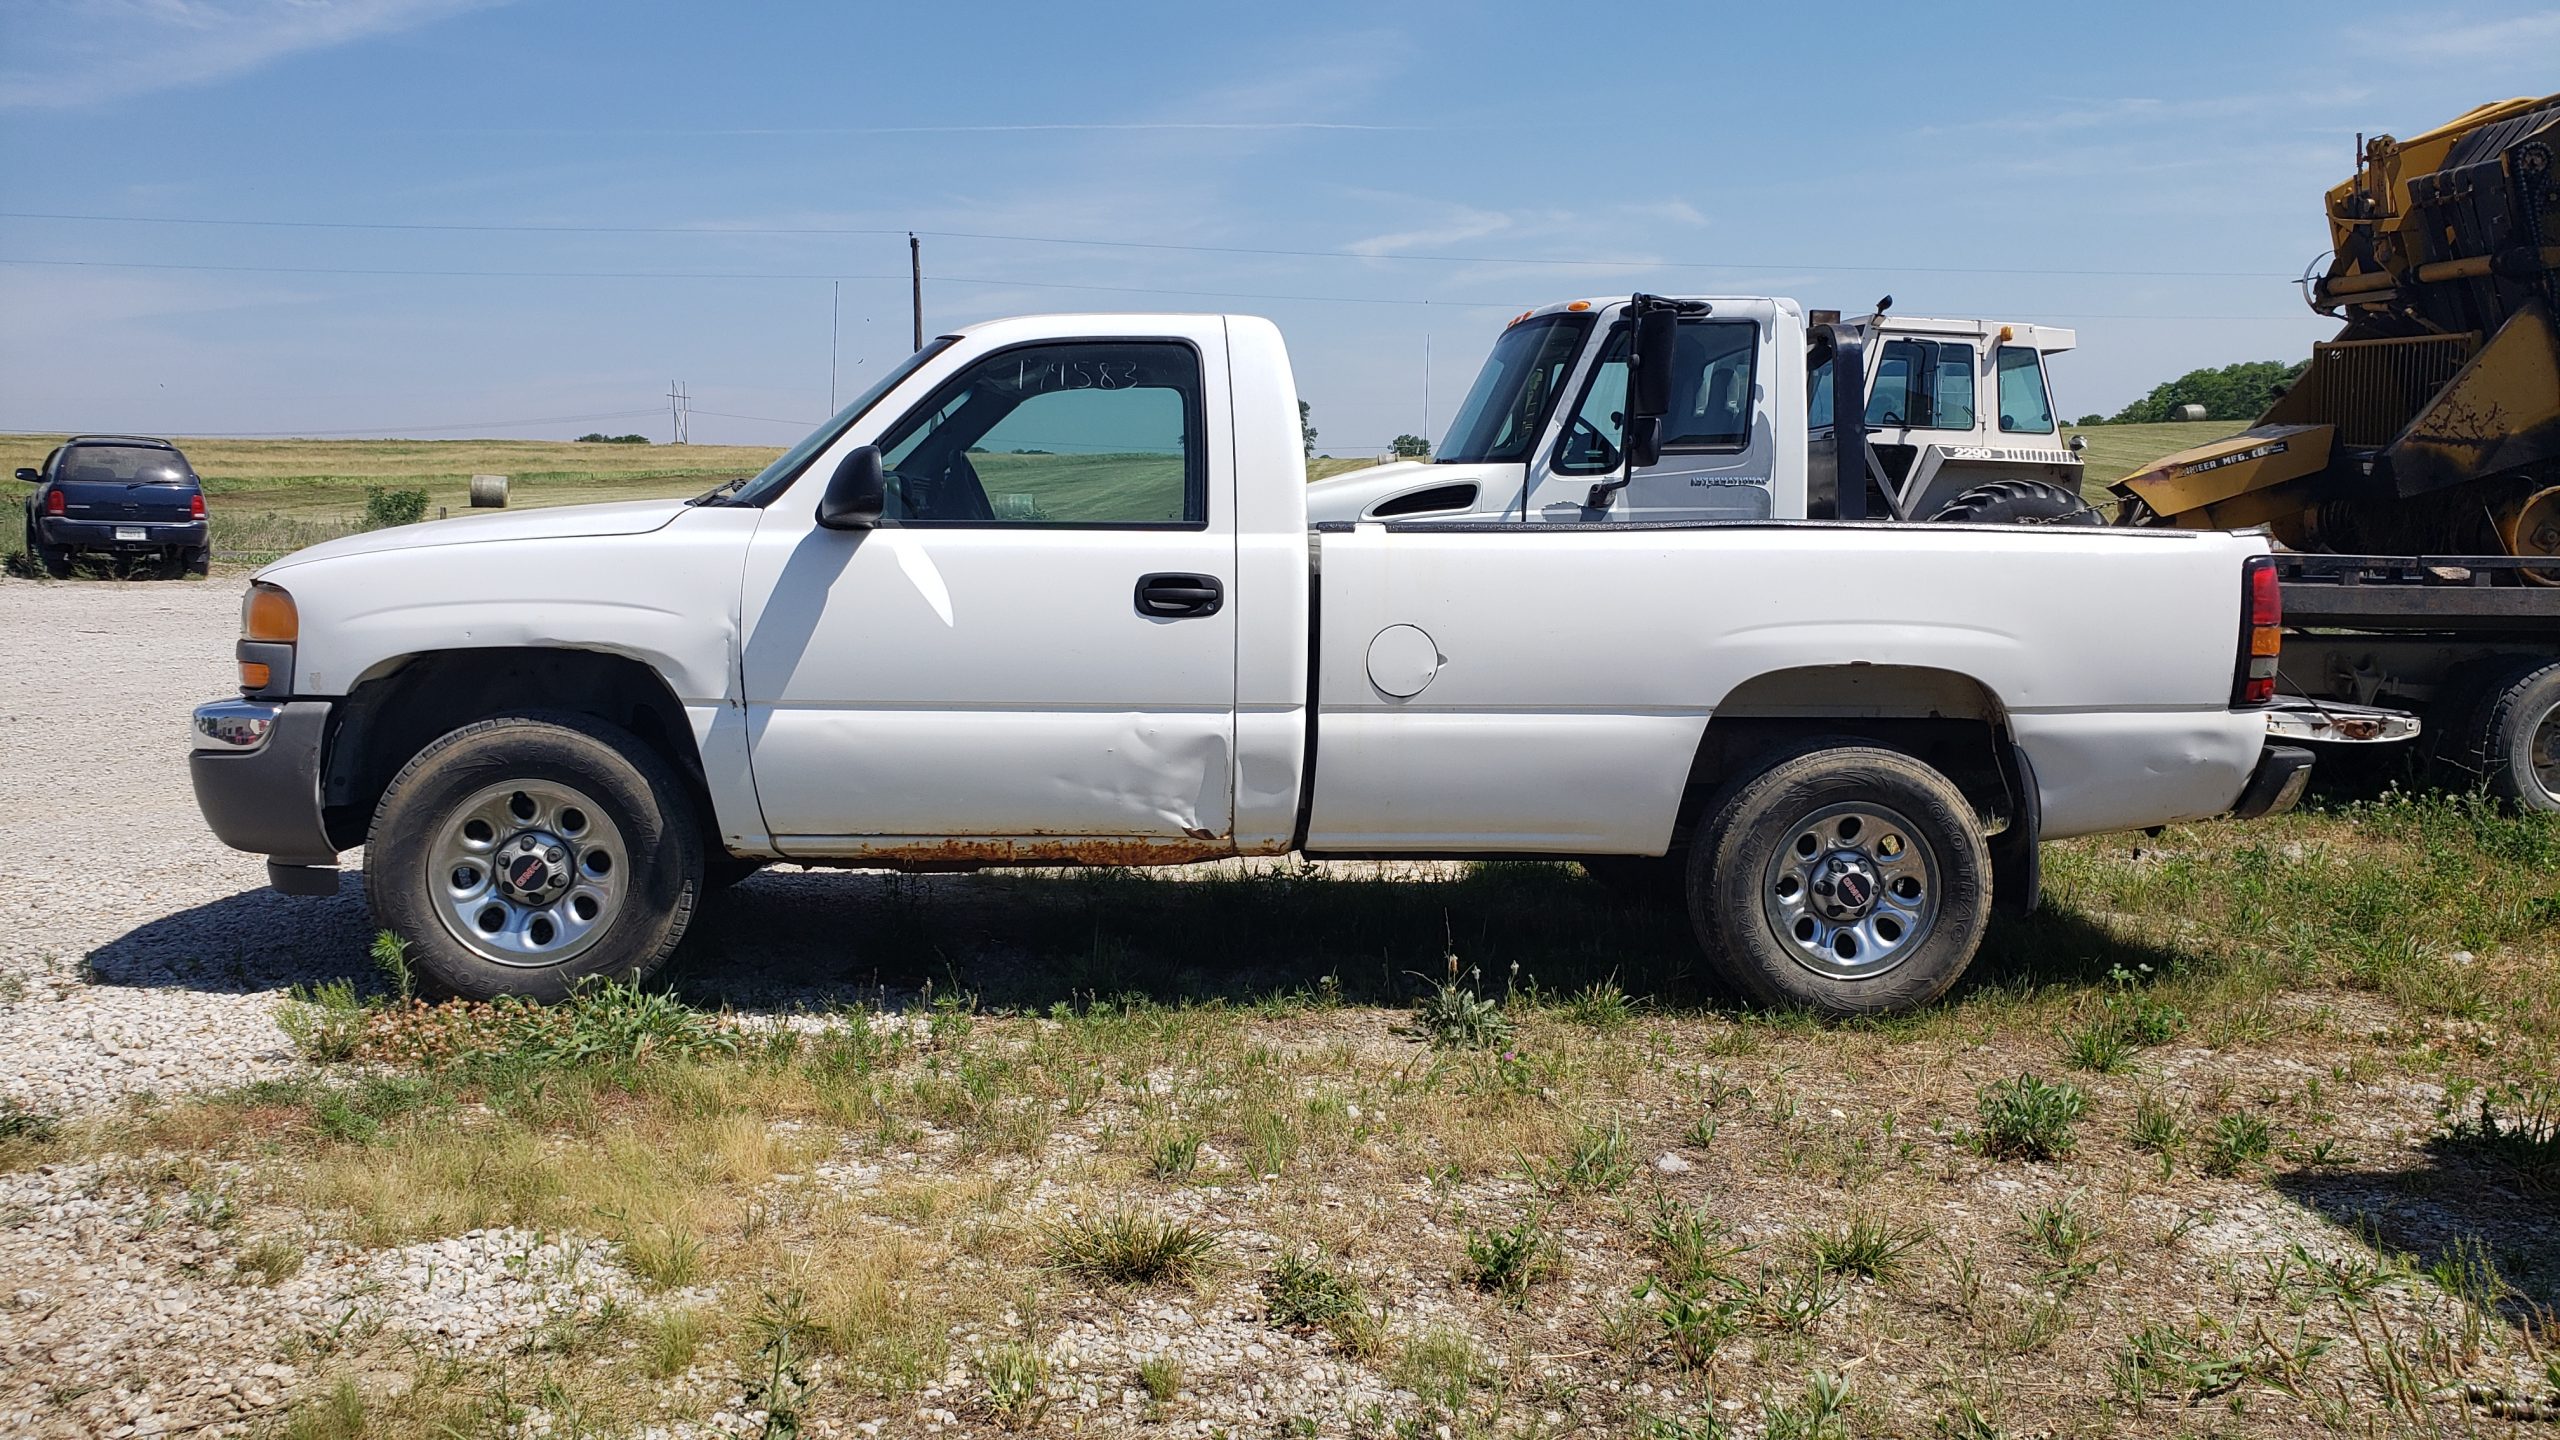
column 2079, row 443
column 1649, row 373
column 856, row 494
column 31, row 476
column 1644, row 441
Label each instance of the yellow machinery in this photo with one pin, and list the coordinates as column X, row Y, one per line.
column 2431, row 424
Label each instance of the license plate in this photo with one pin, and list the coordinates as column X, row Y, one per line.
column 132, row 532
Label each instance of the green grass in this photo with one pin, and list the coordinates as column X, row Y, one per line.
column 1223, row 1071
column 2116, row 451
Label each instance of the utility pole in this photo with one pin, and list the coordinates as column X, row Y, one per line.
column 678, row 402
column 915, row 282
column 835, row 311
column 1426, row 386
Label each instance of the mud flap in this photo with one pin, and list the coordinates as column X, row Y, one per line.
column 2017, row 872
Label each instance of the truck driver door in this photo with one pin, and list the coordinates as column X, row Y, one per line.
column 1036, row 647
column 1716, row 441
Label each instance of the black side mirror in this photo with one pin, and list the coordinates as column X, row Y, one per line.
column 1649, row 372
column 1644, row 441
column 856, row 494
column 31, row 476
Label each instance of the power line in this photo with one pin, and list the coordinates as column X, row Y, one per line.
column 989, row 281
column 1306, row 254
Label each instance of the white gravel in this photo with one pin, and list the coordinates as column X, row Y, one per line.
column 129, row 1310
column 137, row 953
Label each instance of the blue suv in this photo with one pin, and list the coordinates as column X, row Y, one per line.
column 121, row 496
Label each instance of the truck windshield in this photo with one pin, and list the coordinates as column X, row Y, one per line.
column 1507, row 407
column 772, row 479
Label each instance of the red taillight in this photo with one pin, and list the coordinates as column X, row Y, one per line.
column 2261, row 632
column 195, row 506
column 53, row 502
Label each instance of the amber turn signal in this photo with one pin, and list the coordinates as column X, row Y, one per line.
column 268, row 614
column 254, row 675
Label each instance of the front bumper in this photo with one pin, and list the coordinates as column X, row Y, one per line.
column 2276, row 785
column 256, row 767
column 101, row 534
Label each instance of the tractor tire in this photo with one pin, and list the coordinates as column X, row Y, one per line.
column 2017, row 502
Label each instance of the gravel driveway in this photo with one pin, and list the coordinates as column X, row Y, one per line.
column 140, row 955
column 137, row 953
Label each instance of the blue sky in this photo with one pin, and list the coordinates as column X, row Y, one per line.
column 2150, row 175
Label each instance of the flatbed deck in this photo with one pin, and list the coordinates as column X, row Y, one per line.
column 2446, row 594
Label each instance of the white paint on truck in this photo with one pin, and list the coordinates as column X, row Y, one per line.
column 1085, row 618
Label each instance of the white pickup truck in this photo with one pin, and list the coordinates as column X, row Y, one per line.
column 1047, row 595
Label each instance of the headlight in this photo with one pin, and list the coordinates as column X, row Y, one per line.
column 267, row 613
column 267, row 617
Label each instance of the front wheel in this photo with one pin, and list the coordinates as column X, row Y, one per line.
column 1843, row 878
column 525, row 854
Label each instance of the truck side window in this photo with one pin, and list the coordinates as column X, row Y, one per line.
column 1711, row 396
column 2024, row 405
column 1081, row 433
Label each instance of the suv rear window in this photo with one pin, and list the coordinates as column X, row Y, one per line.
column 123, row 463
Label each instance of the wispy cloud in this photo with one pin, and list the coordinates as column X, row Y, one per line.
column 1463, row 224
column 72, row 53
column 2517, row 37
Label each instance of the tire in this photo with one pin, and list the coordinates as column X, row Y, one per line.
column 1892, row 822
column 2017, row 502
column 2507, row 742
column 1645, row 881
column 52, row 559
column 612, row 825
column 200, row 562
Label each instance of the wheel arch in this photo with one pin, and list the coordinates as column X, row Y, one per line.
column 1947, row 719
column 403, row 703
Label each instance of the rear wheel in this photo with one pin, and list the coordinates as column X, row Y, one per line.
column 2508, row 740
column 2017, row 502
column 200, row 561
column 52, row 559
column 1843, row 878
column 525, row 854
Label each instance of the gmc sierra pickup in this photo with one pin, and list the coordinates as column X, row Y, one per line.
column 1047, row 594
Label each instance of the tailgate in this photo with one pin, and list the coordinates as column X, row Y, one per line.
column 126, row 500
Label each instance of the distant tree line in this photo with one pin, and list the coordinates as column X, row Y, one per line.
column 2234, row 392
column 597, row 438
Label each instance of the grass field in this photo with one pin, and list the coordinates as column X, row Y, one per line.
column 2253, row 1131
column 2115, row 451
column 267, row 497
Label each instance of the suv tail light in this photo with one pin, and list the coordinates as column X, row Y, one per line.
column 195, row 506
column 2261, row 632
column 53, row 502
